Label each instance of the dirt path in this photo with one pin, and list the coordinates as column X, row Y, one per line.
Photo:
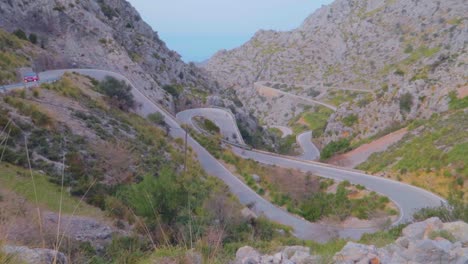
column 357, row 156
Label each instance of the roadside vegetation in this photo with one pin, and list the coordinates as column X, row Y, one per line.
column 433, row 156
column 12, row 57
column 308, row 195
column 315, row 119
column 122, row 168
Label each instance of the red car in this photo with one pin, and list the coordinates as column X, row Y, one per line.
column 31, row 77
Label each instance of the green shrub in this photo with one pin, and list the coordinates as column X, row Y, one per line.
column 334, row 147
column 107, row 10
column 350, row 120
column 20, row 34
column 399, row 72
column 406, row 102
column 59, row 8
column 409, row 48
column 157, row 118
column 174, row 90
column 211, row 126
column 33, row 38
column 119, row 93
column 456, row 103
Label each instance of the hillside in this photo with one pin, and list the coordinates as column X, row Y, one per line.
column 408, row 54
column 73, row 152
column 110, row 35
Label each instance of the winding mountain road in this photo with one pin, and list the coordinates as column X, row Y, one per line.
column 408, row 198
column 310, row 151
column 260, row 86
column 287, row 131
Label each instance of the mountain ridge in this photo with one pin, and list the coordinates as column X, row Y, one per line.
column 390, row 47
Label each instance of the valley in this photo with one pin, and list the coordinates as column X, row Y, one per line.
column 346, row 134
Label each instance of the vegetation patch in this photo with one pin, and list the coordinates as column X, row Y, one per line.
column 315, row 120
column 350, row 120
column 434, row 157
column 335, row 147
column 341, row 96
column 19, row 180
column 457, row 103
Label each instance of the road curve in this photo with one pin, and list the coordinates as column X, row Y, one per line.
column 407, row 197
column 310, row 151
column 222, row 118
column 260, row 85
column 286, row 131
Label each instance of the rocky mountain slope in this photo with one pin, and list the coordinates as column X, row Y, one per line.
column 410, row 53
column 105, row 34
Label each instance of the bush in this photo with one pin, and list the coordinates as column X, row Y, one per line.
column 119, row 93
column 409, row 48
column 210, row 126
column 455, row 210
column 108, row 11
column 20, row 34
column 333, row 147
column 157, row 118
column 350, row 120
column 456, row 103
column 400, row 72
column 33, row 38
column 406, row 102
column 173, row 90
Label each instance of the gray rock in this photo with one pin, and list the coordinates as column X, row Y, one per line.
column 419, row 230
column 247, row 255
column 36, row 255
column 256, row 178
column 403, row 242
column 289, row 252
column 429, row 251
column 83, row 229
column 458, row 229
column 353, row 252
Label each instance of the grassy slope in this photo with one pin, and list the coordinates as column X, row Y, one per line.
column 311, row 120
column 48, row 194
column 434, row 155
column 11, row 56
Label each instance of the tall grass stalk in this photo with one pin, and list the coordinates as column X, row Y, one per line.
column 41, row 231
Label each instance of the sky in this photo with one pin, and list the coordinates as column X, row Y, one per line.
column 197, row 29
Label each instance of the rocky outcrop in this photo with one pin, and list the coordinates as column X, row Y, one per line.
column 289, row 255
column 36, row 255
column 83, row 229
column 427, row 242
column 393, row 48
column 103, row 34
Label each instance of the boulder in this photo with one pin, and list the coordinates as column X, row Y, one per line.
column 36, row 255
column 355, row 253
column 83, row 229
column 429, row 251
column 422, row 229
column 298, row 251
column 247, row 255
column 458, row 229
column 256, row 178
